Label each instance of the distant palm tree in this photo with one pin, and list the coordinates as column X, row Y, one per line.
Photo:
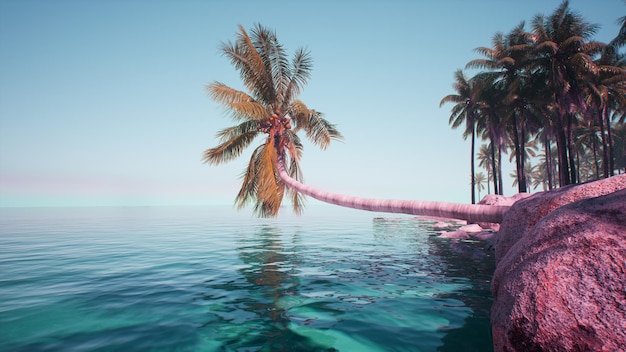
column 271, row 108
column 480, row 180
column 528, row 173
column 588, row 136
column 484, row 161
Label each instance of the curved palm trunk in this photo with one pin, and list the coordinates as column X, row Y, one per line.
column 469, row 212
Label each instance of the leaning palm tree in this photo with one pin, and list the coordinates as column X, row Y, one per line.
column 271, row 108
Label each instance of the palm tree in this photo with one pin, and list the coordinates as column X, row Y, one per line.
column 528, row 173
column 490, row 124
column 506, row 63
column 587, row 137
column 270, row 108
column 464, row 110
column 563, row 53
column 479, row 181
column 607, row 91
column 611, row 50
column 485, row 161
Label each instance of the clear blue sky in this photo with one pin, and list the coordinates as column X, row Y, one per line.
column 103, row 102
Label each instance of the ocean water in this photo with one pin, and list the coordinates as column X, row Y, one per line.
column 215, row 279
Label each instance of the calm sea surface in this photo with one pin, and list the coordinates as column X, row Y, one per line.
column 214, row 279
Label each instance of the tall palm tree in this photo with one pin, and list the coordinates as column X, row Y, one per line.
column 271, row 108
column 506, row 63
column 607, row 93
column 464, row 110
column 563, row 53
column 490, row 124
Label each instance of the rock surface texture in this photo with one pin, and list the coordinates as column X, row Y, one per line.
column 560, row 279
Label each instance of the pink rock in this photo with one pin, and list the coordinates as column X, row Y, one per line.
column 471, row 228
column 441, row 225
column 560, row 281
column 525, row 213
column 493, row 199
column 461, row 235
column 483, row 235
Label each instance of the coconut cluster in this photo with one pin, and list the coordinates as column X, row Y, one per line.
column 275, row 120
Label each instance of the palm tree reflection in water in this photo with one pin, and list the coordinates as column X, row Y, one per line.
column 270, row 272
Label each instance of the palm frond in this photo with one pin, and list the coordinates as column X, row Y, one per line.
column 252, row 70
column 247, row 193
column 294, row 145
column 270, row 188
column 274, row 59
column 297, row 199
column 240, row 105
column 482, row 64
column 300, row 73
column 320, row 131
column 226, row 95
column 248, row 110
column 234, row 141
column 232, row 132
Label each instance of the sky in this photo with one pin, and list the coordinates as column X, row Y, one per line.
column 103, row 102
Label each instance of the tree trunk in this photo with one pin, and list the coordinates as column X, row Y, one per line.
column 519, row 169
column 548, row 153
column 610, row 143
column 561, row 146
column 524, row 187
column 605, row 145
column 493, row 166
column 500, row 181
column 573, row 169
column 469, row 212
column 472, row 166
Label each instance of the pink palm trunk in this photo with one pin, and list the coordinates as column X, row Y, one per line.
column 469, row 212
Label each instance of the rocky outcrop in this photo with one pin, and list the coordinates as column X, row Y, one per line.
column 560, row 279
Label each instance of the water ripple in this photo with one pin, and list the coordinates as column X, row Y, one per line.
column 200, row 280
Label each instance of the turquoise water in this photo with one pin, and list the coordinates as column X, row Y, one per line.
column 214, row 279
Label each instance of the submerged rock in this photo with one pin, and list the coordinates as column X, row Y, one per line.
column 560, row 280
column 459, row 235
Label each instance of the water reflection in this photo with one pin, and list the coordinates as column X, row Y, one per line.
column 456, row 261
column 475, row 260
column 253, row 314
column 394, row 287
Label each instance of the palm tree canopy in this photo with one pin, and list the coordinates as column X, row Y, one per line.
column 270, row 106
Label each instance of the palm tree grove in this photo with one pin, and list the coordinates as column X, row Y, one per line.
column 548, row 95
